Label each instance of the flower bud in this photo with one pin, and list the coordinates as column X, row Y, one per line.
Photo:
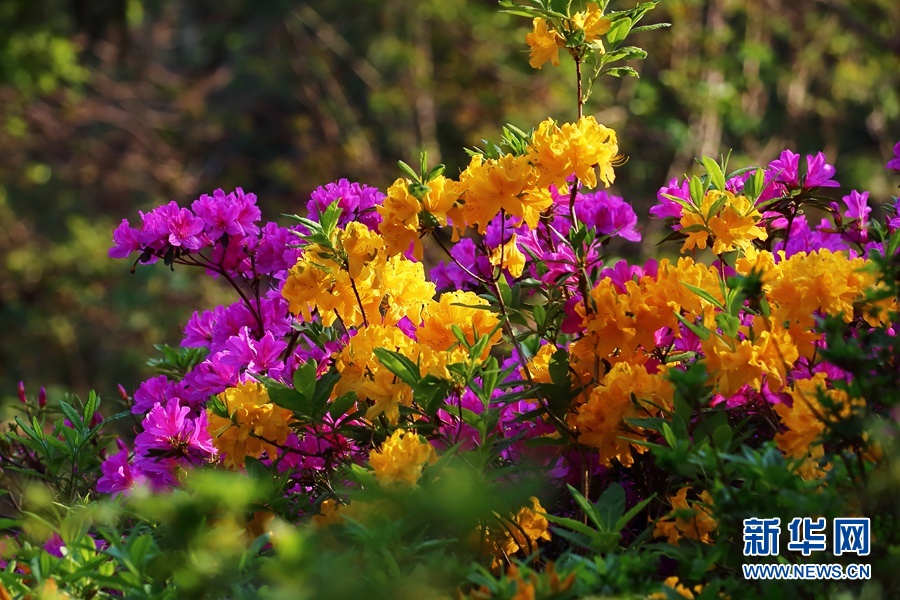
column 22, row 397
column 42, row 397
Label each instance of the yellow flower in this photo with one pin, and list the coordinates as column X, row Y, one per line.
column 539, row 365
column 681, row 590
column 361, row 371
column 733, row 225
column 592, row 22
column 733, row 364
column 401, row 212
column 544, row 43
column 402, row 458
column 509, row 257
column 362, row 246
column 532, row 526
column 806, row 419
column 626, row 392
column 400, row 219
column 437, row 318
column 698, row 525
column 492, row 185
column 359, row 284
column 574, row 148
column 253, row 419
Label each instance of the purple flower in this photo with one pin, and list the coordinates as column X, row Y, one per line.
column 894, row 163
column 273, row 253
column 786, row 169
column 622, row 272
column 611, row 215
column 156, row 390
column 450, row 275
column 125, row 240
column 500, row 232
column 198, row 333
column 357, row 202
column 171, row 440
column 212, row 376
column 118, row 476
column 185, row 229
column 262, row 356
column 857, row 206
column 818, row 172
column 668, row 208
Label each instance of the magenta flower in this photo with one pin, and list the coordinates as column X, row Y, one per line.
column 171, row 440
column 668, row 208
column 125, row 240
column 894, row 163
column 118, row 475
column 857, row 206
column 611, row 215
column 156, row 390
column 198, row 333
column 818, row 172
column 786, row 169
column 185, row 230
column 357, row 202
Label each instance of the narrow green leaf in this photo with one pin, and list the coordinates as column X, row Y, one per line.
column 399, row 365
column 716, row 176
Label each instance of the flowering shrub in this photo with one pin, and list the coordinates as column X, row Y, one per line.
column 528, row 418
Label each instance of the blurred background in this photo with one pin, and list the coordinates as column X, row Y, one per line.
column 108, row 107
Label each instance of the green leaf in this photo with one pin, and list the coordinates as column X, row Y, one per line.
column 728, row 323
column 342, row 404
column 721, row 437
column 408, row 170
column 585, row 506
column 90, row 407
column 632, row 513
column 434, row 173
column 621, row 72
column 559, row 368
column 430, row 393
column 305, row 379
column 399, row 365
column 705, row 295
column 716, row 176
column 70, row 413
column 697, row 191
column 619, row 30
column 611, row 506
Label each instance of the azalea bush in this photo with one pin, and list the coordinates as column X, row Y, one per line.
column 527, row 418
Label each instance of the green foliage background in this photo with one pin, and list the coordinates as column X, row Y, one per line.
column 108, row 107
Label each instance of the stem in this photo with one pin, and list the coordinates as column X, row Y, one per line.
column 359, row 302
column 577, row 58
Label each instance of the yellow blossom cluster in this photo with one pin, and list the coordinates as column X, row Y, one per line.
column 434, row 348
column 692, row 520
column 806, row 418
column 519, row 533
column 358, row 283
column 628, row 391
column 399, row 462
column 545, row 41
column 680, row 589
column 253, row 425
column 732, row 222
column 402, row 213
column 516, row 184
column 623, row 326
column 768, row 351
column 401, row 459
column 806, row 284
